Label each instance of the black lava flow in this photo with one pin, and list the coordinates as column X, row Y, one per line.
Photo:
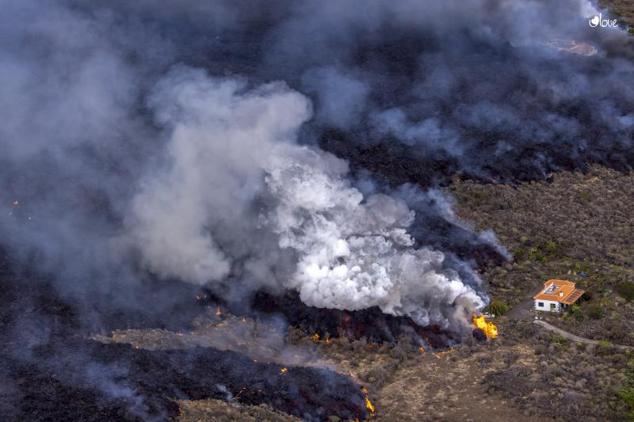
column 51, row 370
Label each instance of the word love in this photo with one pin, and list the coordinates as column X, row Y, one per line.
column 603, row 23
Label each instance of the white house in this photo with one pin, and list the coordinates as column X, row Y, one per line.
column 557, row 295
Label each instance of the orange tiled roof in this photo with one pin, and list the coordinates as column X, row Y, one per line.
column 562, row 291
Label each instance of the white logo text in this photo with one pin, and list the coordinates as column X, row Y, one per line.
column 598, row 20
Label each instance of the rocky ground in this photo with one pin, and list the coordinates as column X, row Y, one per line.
column 578, row 227
column 527, row 374
column 575, row 226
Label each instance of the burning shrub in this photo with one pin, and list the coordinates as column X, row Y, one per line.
column 483, row 329
column 135, row 173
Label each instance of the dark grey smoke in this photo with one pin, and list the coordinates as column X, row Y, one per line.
column 249, row 145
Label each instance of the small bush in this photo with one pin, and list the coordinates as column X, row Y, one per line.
column 558, row 339
column 627, row 392
column 519, row 253
column 581, row 267
column 626, row 290
column 595, row 311
column 604, row 348
column 627, row 395
column 540, row 253
column 497, row 307
column 575, row 312
column 535, row 254
column 551, row 248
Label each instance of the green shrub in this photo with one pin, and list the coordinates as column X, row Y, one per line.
column 519, row 253
column 535, row 254
column 627, row 392
column 575, row 312
column 541, row 252
column 595, row 311
column 626, row 290
column 627, row 395
column 604, row 348
column 551, row 248
column 579, row 267
column 497, row 307
column 558, row 339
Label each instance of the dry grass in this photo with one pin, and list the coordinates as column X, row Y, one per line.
column 222, row 411
column 578, row 227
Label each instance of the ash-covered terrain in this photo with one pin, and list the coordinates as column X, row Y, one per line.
column 288, row 210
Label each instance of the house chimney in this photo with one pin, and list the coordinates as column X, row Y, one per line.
column 561, row 293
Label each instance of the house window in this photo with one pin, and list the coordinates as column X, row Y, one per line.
column 553, row 306
column 540, row 304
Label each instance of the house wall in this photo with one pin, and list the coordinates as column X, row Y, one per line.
column 547, row 306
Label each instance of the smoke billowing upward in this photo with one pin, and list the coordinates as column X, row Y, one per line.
column 282, row 145
column 238, row 194
column 249, row 146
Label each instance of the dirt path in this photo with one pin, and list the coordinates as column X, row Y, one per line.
column 573, row 337
column 522, row 310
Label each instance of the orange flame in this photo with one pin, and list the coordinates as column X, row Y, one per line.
column 315, row 338
column 488, row 328
column 368, row 403
column 283, row 371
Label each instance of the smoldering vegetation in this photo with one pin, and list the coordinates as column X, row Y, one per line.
column 151, row 148
column 51, row 371
column 118, row 382
column 371, row 324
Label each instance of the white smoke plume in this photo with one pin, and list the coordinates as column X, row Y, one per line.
column 217, row 180
column 219, row 143
column 234, row 175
